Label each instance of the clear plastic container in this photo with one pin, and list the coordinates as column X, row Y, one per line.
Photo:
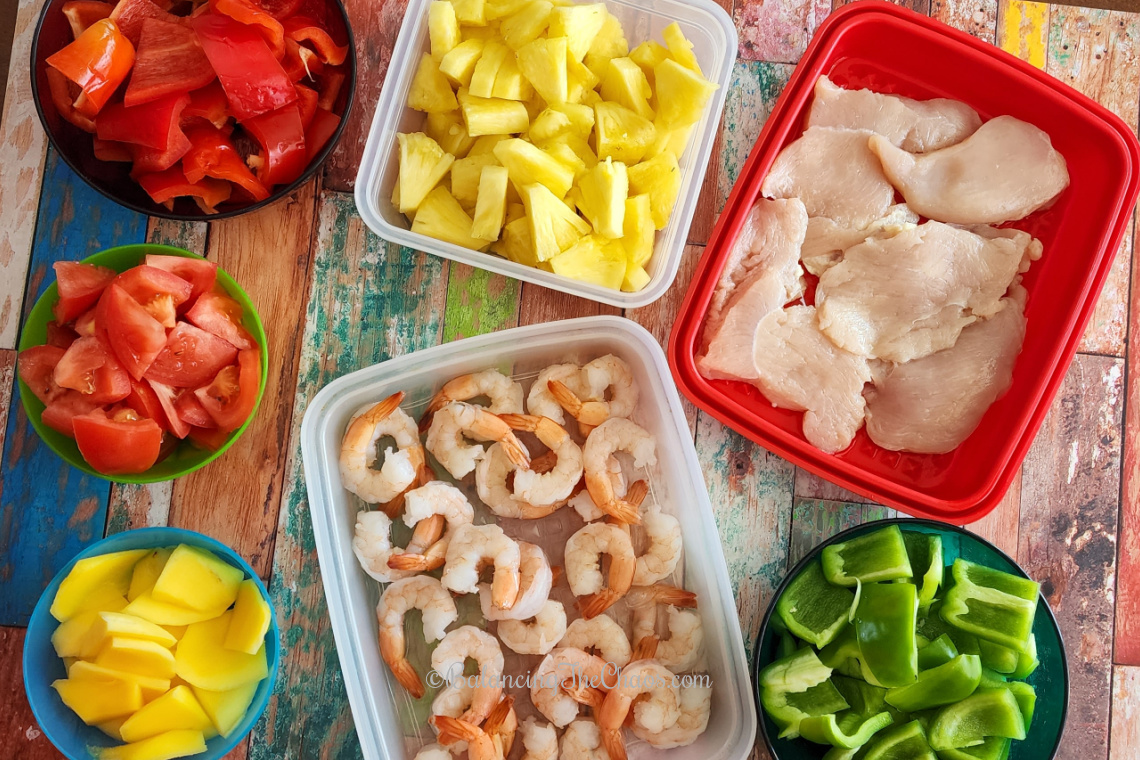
column 714, row 40
column 389, row 725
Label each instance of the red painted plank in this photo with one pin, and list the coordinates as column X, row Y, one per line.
column 20, row 736
column 1127, row 641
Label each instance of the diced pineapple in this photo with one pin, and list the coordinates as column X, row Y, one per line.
column 660, row 177
column 674, row 140
column 621, row 134
column 528, row 164
column 484, row 33
column 146, row 572
column 197, row 578
column 566, row 156
column 459, row 63
column 487, row 68
column 491, row 206
column 430, row 90
column 635, row 278
column 524, row 26
column 497, row 9
column 604, row 190
column 441, row 217
column 581, row 148
column 162, row 747
column 680, row 48
column 548, row 125
column 638, row 229
column 443, row 28
column 581, row 117
column 422, row 165
column 510, row 84
column 514, row 211
column 543, row 62
column 486, row 144
column 579, row 24
column 95, row 583
column 150, row 686
column 470, row 12
column 681, row 94
column 515, row 243
column 609, row 43
column 97, row 701
column 553, row 227
column 580, row 81
column 448, row 130
column 492, row 116
column 174, row 710
column 593, row 259
column 534, row 106
column 647, row 55
column 625, row 84
column 465, row 174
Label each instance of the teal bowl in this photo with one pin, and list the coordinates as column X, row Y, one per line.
column 185, row 458
column 1050, row 680
column 42, row 665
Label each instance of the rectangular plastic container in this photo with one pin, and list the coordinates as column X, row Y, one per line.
column 714, row 40
column 352, row 595
column 890, row 49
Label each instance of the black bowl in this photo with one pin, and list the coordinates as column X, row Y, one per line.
column 112, row 179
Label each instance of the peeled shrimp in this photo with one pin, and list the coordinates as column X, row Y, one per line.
column 372, row 545
column 537, row 636
column 611, row 436
column 506, row 395
column 555, row 486
column 539, row 739
column 401, row 467
column 584, row 505
column 582, row 741
column 491, row 481
column 433, row 505
column 682, row 650
column 660, row 559
column 540, row 401
column 606, row 375
column 660, row 710
column 491, row 742
column 696, row 704
column 453, row 651
column 583, row 555
column 438, row 608
column 536, row 578
column 547, row 693
column 452, row 701
column 433, row 752
column 469, row 548
column 445, row 438
column 602, row 635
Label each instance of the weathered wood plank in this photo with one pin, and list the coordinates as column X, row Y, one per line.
column 708, row 202
column 369, row 301
column 7, row 389
column 538, row 304
column 1069, row 504
column 918, row 6
column 1127, row 641
column 479, row 302
column 978, row 17
column 1023, row 30
column 811, row 486
column 1125, row 741
column 20, row 735
column 815, row 520
column 236, row 498
column 22, row 146
column 777, row 32
column 1002, row 526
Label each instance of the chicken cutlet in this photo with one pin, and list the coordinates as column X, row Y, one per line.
column 826, row 239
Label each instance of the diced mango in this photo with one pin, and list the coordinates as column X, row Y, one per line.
column 604, row 191
column 226, row 708
column 680, row 48
column 85, row 634
column 112, row 727
column 543, row 62
column 136, row 656
column 250, row 619
column 151, row 686
column 528, row 164
column 459, row 64
column 579, row 24
column 146, row 572
column 199, row 579
column 174, row 630
column 526, row 24
column 470, row 12
column 553, row 227
column 203, row 660
column 98, row 701
column 174, row 710
column 660, row 177
column 443, row 28
column 422, row 165
column 621, row 134
column 162, row 613
column 593, row 259
column 162, row 747
column 638, row 229
column 95, row 583
column 492, row 116
column 682, row 94
column 430, row 91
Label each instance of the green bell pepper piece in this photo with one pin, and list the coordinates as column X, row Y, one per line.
column 999, row 658
column 842, row 753
column 924, row 550
column 990, row 614
column 1027, row 661
column 863, row 698
column 846, row 729
column 797, row 687
column 974, row 574
column 884, row 627
column 905, row 742
column 842, row 655
column 787, row 645
column 813, row 609
column 932, row 626
column 937, row 652
column 993, row 748
column 939, row 686
column 986, row 712
column 877, row 556
column 1026, row 697
column 991, row 679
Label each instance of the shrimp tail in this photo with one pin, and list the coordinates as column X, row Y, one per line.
column 498, row 715
column 589, row 414
column 583, row 693
column 544, row 463
column 420, row 563
column 452, row 730
column 645, row 649
column 593, row 605
column 677, row 597
column 614, row 744
column 515, row 452
column 407, row 677
column 623, row 511
column 394, row 507
column 555, row 575
column 426, row 533
column 637, row 493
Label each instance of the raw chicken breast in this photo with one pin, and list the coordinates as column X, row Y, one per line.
column 799, row 368
column 913, row 125
column 761, row 275
column 826, row 239
column 933, row 404
column 910, row 295
column 1006, row 170
column 834, row 173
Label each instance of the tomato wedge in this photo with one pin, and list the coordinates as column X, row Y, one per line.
column 145, row 402
column 58, row 415
column 98, row 61
column 218, row 314
column 36, row 366
column 118, row 445
column 169, row 60
column 158, row 291
column 191, row 411
column 249, row 72
column 232, row 396
column 79, row 286
column 191, row 358
column 83, row 13
column 90, row 367
column 167, row 399
column 59, row 335
column 201, row 274
column 85, row 323
column 210, row 439
column 135, row 336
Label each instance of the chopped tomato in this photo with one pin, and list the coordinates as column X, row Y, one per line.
column 110, row 150
column 304, row 29
column 98, row 61
column 191, row 411
column 118, row 445
column 201, row 274
column 130, row 15
column 210, row 439
column 135, row 336
column 36, row 366
column 306, row 103
column 218, row 314
column 208, row 103
column 85, row 323
column 90, row 367
column 65, row 408
column 249, row 72
column 60, row 336
column 331, row 84
column 158, row 291
column 320, row 131
column 283, row 156
column 83, row 13
column 152, row 125
column 166, row 186
column 169, row 60
column 251, row 15
column 145, row 402
column 232, row 396
column 213, row 154
column 167, row 399
column 79, row 287
column 63, row 93
column 191, row 357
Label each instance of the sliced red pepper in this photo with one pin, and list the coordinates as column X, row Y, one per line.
column 280, row 9
column 110, row 150
column 304, row 29
column 253, row 79
column 150, row 160
column 63, row 99
column 300, row 62
column 306, row 103
column 320, row 131
column 209, row 103
column 164, row 187
column 130, row 14
column 169, row 60
column 151, row 125
column 212, row 154
column 83, row 13
column 251, row 14
column 331, row 83
column 283, row 155
column 98, row 61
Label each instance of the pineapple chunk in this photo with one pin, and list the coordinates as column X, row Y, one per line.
column 487, row 68
column 497, row 9
column 161, row 747
column 492, row 116
column 674, row 140
column 638, row 229
column 610, row 43
column 543, row 62
column 441, row 217
column 448, row 130
column 528, row 164
column 647, row 55
column 635, row 278
column 581, row 148
column 581, row 117
column 470, row 12
column 525, row 26
column 604, row 190
column 146, row 572
column 593, row 259
column 491, row 205
column 660, row 177
column 149, row 686
column 443, row 28
column 486, row 144
column 580, row 81
column 482, row 33
column 465, row 175
column 680, row 48
column 430, row 91
column 515, row 243
column 459, row 63
column 681, row 94
column 515, row 211
column 553, row 227
column 95, row 583
column 422, row 165
column 621, row 134
column 565, row 155
column 510, row 84
column 174, row 710
column 549, row 124
column 579, row 24
column 98, row 701
column 625, row 84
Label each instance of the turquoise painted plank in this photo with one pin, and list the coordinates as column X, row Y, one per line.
column 49, row 510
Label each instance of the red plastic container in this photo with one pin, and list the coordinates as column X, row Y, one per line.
column 889, row 49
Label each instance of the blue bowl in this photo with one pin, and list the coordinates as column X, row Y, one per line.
column 42, row 665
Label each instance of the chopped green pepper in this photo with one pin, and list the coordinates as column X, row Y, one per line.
column 986, row 712
column 991, row 679
column 876, row 556
column 965, row 571
column 937, row 652
column 842, row 655
column 842, row 753
column 924, row 550
column 797, row 687
column 1026, row 697
column 862, row 697
column 1027, row 661
column 905, row 742
column 999, row 658
column 884, row 626
column 813, row 609
column 990, row 614
column 787, row 645
column 932, row 626
column 939, row 686
column 846, row 729
column 993, row 748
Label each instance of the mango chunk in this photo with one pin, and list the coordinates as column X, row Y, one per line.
column 98, row 701
column 146, row 572
column 162, row 613
column 112, row 727
column 226, row 708
column 95, row 583
column 151, row 686
column 249, row 620
column 174, row 630
column 85, row 634
column 136, row 656
column 162, row 747
column 197, row 579
column 203, row 661
column 175, row 710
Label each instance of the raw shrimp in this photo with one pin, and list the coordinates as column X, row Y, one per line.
column 469, row 549
column 682, row 650
column 606, row 375
column 540, row 401
column 539, row 739
column 601, row 634
column 445, row 438
column 401, row 467
column 613, row 435
column 546, row 690
column 438, row 608
column 660, row 710
column 453, row 651
column 696, row 704
column 433, row 752
column 664, row 551
column 431, row 505
column 585, row 506
column 372, row 545
column 552, row 487
column 536, row 578
column 491, row 481
column 537, row 636
column 582, row 741
column 583, row 556
column 506, row 395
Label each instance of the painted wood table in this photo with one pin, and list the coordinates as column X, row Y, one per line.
column 335, row 298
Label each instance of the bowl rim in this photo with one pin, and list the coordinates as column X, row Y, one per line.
column 35, row 416
column 157, row 210
column 153, row 537
column 901, row 522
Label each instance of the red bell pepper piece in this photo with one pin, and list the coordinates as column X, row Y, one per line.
column 320, row 131
column 164, row 187
column 303, row 29
column 98, row 62
column 300, row 62
column 331, row 83
column 253, row 79
column 306, row 103
column 150, row 160
column 283, row 155
column 63, row 98
column 109, row 150
column 151, row 125
column 130, row 14
column 212, row 154
column 208, row 103
column 280, row 9
column 169, row 60
column 246, row 12
column 83, row 13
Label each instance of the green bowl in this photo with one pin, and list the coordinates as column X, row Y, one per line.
column 1051, row 679
column 186, row 457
